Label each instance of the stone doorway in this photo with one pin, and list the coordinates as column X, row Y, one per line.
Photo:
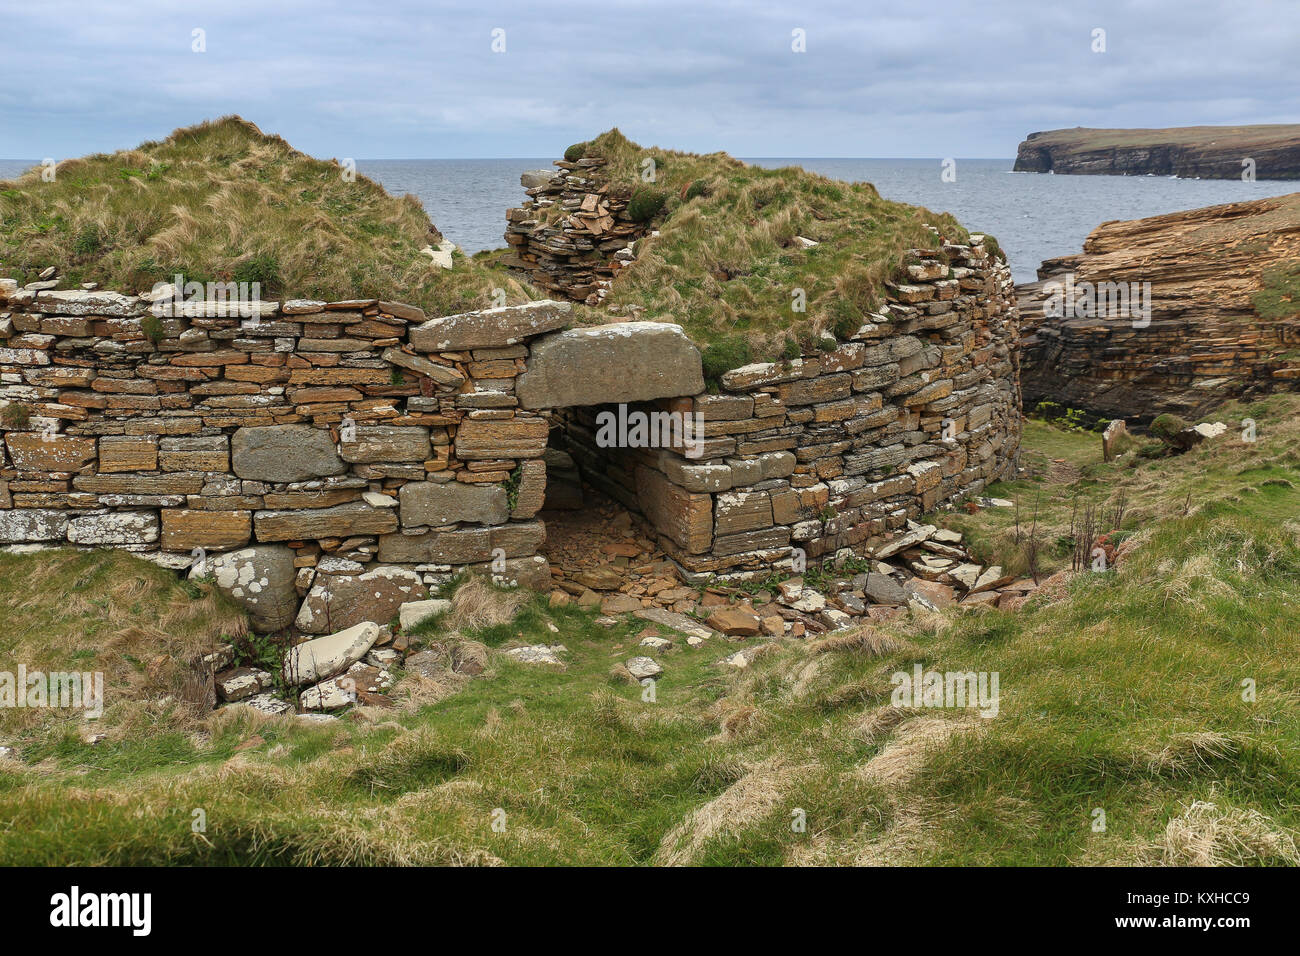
column 601, row 548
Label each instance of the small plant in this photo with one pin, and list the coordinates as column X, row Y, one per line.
column 16, row 415
column 88, row 242
column 697, row 188
column 512, row 487
column 575, row 152
column 262, row 268
column 395, row 377
column 724, row 355
column 152, row 327
column 646, row 204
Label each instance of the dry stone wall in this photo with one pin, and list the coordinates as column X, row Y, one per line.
column 328, row 461
column 831, row 451
column 336, row 452
column 573, row 234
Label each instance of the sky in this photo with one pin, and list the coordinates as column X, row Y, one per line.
column 426, row 79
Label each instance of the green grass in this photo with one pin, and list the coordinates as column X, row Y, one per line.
column 726, row 265
column 221, row 201
column 1120, row 691
column 1279, row 295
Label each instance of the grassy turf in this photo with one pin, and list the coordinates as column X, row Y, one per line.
column 1121, row 692
column 221, row 201
column 726, row 266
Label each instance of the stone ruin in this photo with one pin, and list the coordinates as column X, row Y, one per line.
column 344, row 456
column 573, row 234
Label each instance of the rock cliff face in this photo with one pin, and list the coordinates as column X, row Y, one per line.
column 1220, row 317
column 1205, row 152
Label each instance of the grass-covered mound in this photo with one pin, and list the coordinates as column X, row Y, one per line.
column 727, row 261
column 1162, row 693
column 222, row 201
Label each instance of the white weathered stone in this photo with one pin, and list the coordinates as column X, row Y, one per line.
column 318, row 659
column 413, row 612
column 120, row 527
column 643, row 667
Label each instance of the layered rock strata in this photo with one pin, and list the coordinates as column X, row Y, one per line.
column 1213, row 313
column 1191, row 152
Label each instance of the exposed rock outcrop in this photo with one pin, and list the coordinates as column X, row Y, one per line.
column 1204, row 152
column 1223, row 319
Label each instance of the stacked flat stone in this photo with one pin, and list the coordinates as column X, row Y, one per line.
column 576, row 254
column 830, row 451
column 365, row 440
column 352, row 430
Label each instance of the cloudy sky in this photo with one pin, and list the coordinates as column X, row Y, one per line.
column 420, row 78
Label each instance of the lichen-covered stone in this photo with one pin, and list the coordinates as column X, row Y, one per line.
column 284, row 453
column 622, row 362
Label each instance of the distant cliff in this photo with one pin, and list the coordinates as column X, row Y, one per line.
column 1207, row 152
column 1175, row 313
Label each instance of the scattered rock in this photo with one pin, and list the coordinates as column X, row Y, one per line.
column 241, row 682
column 318, row 659
column 413, row 612
column 643, row 667
column 537, row 654
column 735, row 622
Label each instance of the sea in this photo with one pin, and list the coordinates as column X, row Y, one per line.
column 1034, row 216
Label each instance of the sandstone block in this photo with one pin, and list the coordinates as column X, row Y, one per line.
column 385, row 443
column 284, row 453
column 35, row 451
column 489, row 328
column 509, row 438
column 682, row 516
column 340, row 521
column 184, row 529
column 433, row 503
column 622, row 362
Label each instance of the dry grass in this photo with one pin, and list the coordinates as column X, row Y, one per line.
column 1207, row 834
column 725, row 263
column 147, row 636
column 755, row 795
column 479, row 604
column 915, row 740
column 867, row 640
column 222, row 201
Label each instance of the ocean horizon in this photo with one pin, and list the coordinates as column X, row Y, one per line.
column 1034, row 216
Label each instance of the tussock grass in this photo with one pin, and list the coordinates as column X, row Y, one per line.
column 1164, row 692
column 222, row 201
column 726, row 263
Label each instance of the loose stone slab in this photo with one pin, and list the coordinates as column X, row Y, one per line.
column 537, row 654
column 315, row 660
column 413, row 612
column 490, row 328
column 643, row 667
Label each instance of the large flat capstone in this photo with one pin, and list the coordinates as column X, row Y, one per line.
column 490, row 328
column 621, row 362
